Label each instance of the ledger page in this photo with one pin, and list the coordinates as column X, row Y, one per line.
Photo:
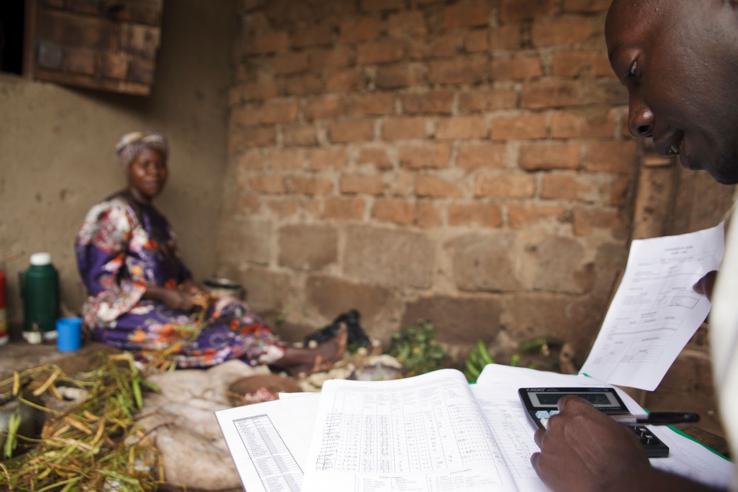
column 424, row 433
column 655, row 310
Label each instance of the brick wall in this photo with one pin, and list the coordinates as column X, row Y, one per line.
column 460, row 161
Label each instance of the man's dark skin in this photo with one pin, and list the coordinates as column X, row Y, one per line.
column 679, row 62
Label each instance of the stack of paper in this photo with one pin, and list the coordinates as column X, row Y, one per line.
column 436, row 433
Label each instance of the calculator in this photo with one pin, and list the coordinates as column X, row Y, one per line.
column 542, row 403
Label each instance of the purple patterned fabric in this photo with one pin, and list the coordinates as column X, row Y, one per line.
column 122, row 247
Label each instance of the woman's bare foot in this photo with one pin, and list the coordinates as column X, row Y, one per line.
column 323, row 356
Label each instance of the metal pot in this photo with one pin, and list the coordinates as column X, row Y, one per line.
column 221, row 287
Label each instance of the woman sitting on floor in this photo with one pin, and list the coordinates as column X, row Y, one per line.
column 142, row 296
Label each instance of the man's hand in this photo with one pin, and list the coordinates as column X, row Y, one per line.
column 584, row 450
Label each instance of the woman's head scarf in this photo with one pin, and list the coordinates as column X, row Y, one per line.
column 131, row 144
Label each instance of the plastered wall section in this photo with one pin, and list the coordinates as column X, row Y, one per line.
column 56, row 148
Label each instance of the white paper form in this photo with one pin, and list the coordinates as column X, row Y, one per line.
column 497, row 392
column 269, row 442
column 655, row 310
column 424, row 433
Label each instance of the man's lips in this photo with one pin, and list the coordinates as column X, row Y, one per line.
column 669, row 144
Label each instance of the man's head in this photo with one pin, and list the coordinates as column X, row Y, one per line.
column 679, row 61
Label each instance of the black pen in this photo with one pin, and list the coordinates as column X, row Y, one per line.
column 658, row 418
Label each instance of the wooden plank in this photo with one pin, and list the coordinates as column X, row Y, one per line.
column 106, row 84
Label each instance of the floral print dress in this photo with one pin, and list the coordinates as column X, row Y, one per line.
column 124, row 246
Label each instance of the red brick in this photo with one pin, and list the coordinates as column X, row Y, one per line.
column 251, row 160
column 323, row 107
column 466, row 14
column 350, row 131
column 287, row 159
column 586, row 6
column 381, row 5
column 256, row 136
column 244, row 116
column 506, row 37
column 445, row 45
column 395, row 211
column 250, row 202
column 461, row 127
column 476, row 41
column 279, row 111
column 313, row 36
column 282, row 208
column 435, row 187
column 505, row 186
column 303, row 85
column 254, row 91
column 377, row 52
column 434, row 102
column 403, row 128
column 577, row 63
column 570, row 187
column 401, row 183
column 487, row 100
column 483, row 214
column 588, row 220
column 343, row 209
column 371, row 104
column 583, row 124
column 424, row 156
column 526, row 126
column 466, row 70
column 361, row 184
column 545, row 156
column 517, row 10
column 618, row 191
column 409, row 23
column 290, row 63
column 521, row 215
column 562, row 31
column 268, row 184
column 483, row 155
column 398, row 76
column 359, row 29
column 343, row 81
column 611, row 157
column 402, row 212
column 299, row 135
column 326, row 158
column 516, row 68
column 268, row 43
column 375, row 156
column 551, row 93
column 338, row 57
column 427, row 215
column 304, row 185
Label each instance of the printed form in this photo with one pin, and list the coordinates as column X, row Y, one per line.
column 425, row 433
column 497, row 393
column 655, row 310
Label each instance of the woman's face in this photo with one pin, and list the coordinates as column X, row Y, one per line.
column 147, row 174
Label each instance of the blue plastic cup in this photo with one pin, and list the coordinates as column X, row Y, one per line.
column 69, row 334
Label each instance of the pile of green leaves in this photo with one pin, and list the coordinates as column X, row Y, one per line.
column 416, row 348
column 94, row 445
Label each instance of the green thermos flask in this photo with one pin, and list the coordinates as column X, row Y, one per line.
column 40, row 292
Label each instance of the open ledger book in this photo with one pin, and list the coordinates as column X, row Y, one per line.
column 428, row 433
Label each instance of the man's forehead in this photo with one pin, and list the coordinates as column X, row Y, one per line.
column 629, row 22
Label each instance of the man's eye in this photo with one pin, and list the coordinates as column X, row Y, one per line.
column 633, row 70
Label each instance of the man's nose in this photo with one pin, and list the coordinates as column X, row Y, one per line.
column 640, row 118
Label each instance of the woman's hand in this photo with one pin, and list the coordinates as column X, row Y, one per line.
column 171, row 298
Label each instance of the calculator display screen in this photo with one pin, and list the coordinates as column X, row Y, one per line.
column 601, row 399
column 593, row 398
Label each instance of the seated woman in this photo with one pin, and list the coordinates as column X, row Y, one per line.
column 142, row 296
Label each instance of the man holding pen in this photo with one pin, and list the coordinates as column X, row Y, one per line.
column 679, row 62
